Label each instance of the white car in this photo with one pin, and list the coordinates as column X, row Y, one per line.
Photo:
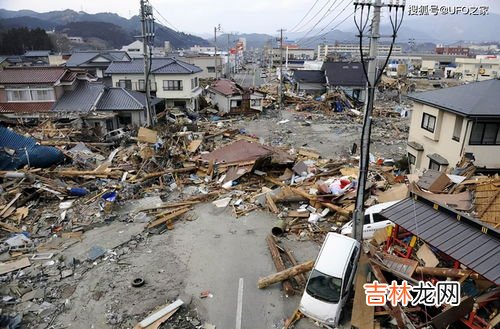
column 330, row 281
column 373, row 221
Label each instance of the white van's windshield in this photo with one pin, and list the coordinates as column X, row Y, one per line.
column 324, row 287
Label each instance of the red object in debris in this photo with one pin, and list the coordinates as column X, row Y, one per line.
column 205, row 294
column 344, row 183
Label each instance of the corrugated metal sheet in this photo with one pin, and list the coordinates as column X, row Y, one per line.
column 37, row 74
column 81, row 99
column 17, row 151
column 118, row 99
column 463, row 240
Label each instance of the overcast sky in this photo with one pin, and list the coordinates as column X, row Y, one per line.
column 200, row 16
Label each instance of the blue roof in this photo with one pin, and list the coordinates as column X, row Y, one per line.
column 158, row 66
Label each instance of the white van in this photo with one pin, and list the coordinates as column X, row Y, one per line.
column 373, row 221
column 331, row 279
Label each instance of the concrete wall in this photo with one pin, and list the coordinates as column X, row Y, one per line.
column 473, row 69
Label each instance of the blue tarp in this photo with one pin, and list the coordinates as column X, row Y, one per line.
column 17, row 151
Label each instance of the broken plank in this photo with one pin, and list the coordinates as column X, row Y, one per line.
column 15, row 265
column 278, row 263
column 160, row 313
column 168, row 217
column 270, row 203
column 5, row 208
column 286, row 274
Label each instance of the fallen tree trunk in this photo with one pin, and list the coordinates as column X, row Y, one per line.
column 446, row 272
column 278, row 262
column 286, row 274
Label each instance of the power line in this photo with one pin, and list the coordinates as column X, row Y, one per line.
column 330, row 11
column 310, row 20
column 318, row 36
column 166, row 20
column 310, row 9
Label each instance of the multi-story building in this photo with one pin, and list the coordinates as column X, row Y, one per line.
column 171, row 79
column 478, row 69
column 446, row 50
column 325, row 50
column 451, row 123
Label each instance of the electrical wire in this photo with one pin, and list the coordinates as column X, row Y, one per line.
column 165, row 20
column 311, row 19
column 317, row 36
column 309, row 11
column 328, row 12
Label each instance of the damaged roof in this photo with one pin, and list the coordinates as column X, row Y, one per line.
column 158, row 66
column 462, row 238
column 309, row 76
column 120, row 99
column 345, row 74
column 226, row 87
column 477, row 99
column 81, row 99
column 26, row 107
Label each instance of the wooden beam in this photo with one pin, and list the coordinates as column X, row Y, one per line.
column 286, row 274
column 279, row 264
column 168, row 217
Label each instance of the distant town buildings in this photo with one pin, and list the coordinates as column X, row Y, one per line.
column 483, row 67
column 352, row 49
column 447, row 50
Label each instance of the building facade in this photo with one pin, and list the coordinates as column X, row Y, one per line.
column 353, row 49
column 478, row 69
column 452, row 123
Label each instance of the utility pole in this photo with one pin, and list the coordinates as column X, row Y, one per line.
column 228, row 67
column 281, row 71
column 216, row 28
column 147, row 27
column 372, row 76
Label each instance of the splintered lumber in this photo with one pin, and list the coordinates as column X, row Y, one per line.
column 168, row 217
column 164, row 172
column 286, row 274
column 10, row 204
column 446, row 272
column 80, row 173
column 15, row 265
column 272, row 206
column 160, row 313
column 300, row 278
column 278, row 262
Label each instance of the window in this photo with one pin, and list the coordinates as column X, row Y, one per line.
column 194, row 83
column 30, row 94
column 434, row 165
column 428, row 122
column 211, row 69
column 142, row 84
column 485, row 133
column 127, row 84
column 457, row 130
column 125, row 119
column 378, row 218
column 236, row 103
column 172, row 84
column 255, row 102
column 411, row 159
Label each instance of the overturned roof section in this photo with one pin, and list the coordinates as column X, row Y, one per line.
column 344, row 74
column 158, row 66
column 309, row 76
column 35, row 74
column 81, row 99
column 120, row 99
column 462, row 238
column 477, row 99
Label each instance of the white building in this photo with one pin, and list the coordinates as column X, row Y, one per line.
column 451, row 123
column 202, row 50
column 479, row 68
column 171, row 79
column 353, row 48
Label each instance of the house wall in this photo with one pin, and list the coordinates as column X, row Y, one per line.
column 487, row 156
column 314, row 87
column 221, row 101
column 440, row 142
column 186, row 93
column 469, row 68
